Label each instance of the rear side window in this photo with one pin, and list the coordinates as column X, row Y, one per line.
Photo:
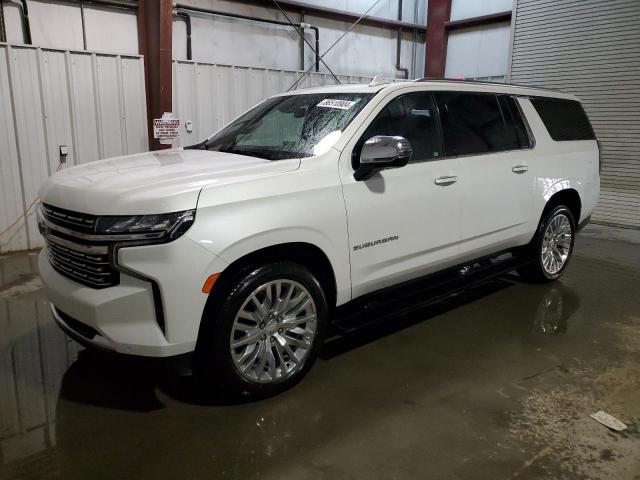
column 473, row 123
column 565, row 119
column 514, row 122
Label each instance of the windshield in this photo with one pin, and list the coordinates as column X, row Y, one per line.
column 290, row 126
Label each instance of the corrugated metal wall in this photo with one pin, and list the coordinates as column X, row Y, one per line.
column 591, row 48
column 210, row 96
column 94, row 103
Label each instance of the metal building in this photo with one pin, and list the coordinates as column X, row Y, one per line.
column 591, row 48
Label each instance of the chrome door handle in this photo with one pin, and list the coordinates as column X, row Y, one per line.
column 444, row 181
column 520, row 169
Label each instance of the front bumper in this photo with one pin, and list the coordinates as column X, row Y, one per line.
column 122, row 318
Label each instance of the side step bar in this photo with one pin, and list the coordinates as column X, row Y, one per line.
column 407, row 297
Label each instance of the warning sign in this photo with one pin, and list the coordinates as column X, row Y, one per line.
column 165, row 128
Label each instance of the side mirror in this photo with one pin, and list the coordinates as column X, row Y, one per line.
column 382, row 151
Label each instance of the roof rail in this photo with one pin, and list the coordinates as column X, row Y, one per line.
column 483, row 82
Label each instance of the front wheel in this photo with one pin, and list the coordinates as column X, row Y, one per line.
column 552, row 246
column 266, row 332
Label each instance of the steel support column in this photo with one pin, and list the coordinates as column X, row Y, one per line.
column 154, row 38
column 438, row 14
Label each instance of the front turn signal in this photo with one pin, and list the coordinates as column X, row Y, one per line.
column 209, row 282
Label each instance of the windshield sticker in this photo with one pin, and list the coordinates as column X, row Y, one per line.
column 335, row 103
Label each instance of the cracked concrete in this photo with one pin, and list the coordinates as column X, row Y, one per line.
column 498, row 382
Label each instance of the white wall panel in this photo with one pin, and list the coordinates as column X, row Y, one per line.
column 83, row 105
column 110, row 30
column 478, row 51
column 135, row 105
column 11, row 200
column 58, row 24
column 210, row 96
column 93, row 103
column 366, row 50
column 110, row 133
column 29, row 124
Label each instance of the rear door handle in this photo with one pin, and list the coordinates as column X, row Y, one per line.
column 444, row 181
column 520, row 169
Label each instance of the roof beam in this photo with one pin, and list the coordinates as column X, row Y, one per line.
column 477, row 21
column 340, row 15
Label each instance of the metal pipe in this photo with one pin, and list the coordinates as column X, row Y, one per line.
column 3, row 31
column 399, row 66
column 414, row 45
column 317, row 33
column 125, row 5
column 84, row 26
column 302, row 42
column 187, row 20
column 209, row 11
column 26, row 23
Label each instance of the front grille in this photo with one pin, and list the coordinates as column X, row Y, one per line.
column 79, row 222
column 91, row 269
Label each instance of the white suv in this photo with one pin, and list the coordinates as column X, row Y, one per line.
column 240, row 247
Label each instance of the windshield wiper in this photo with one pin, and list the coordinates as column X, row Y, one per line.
column 247, row 153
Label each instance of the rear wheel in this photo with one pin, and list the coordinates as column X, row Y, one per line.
column 552, row 246
column 265, row 334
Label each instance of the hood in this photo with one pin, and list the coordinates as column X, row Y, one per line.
column 153, row 182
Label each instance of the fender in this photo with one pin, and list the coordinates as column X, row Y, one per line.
column 279, row 236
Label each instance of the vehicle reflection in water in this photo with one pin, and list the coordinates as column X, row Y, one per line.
column 68, row 414
column 552, row 306
column 549, row 317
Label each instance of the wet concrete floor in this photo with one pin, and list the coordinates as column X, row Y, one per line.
column 495, row 383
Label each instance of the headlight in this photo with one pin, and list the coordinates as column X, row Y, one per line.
column 166, row 226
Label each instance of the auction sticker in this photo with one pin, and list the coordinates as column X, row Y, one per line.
column 335, row 103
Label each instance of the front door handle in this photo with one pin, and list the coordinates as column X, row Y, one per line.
column 444, row 181
column 520, row 169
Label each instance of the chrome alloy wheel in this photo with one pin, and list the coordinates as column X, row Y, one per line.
column 556, row 244
column 273, row 331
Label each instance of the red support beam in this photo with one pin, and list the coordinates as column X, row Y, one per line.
column 438, row 14
column 477, row 21
column 154, row 40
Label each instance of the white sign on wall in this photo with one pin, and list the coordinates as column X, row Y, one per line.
column 165, row 129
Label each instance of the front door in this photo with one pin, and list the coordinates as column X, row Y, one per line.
column 403, row 222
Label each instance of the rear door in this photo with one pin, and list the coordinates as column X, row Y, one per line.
column 487, row 134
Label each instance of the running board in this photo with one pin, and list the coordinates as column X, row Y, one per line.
column 408, row 297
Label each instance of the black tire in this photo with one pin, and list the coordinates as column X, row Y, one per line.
column 536, row 272
column 213, row 353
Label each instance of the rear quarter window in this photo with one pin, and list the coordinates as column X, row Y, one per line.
column 565, row 120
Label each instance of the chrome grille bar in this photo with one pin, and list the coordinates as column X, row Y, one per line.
column 74, row 220
column 86, row 264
